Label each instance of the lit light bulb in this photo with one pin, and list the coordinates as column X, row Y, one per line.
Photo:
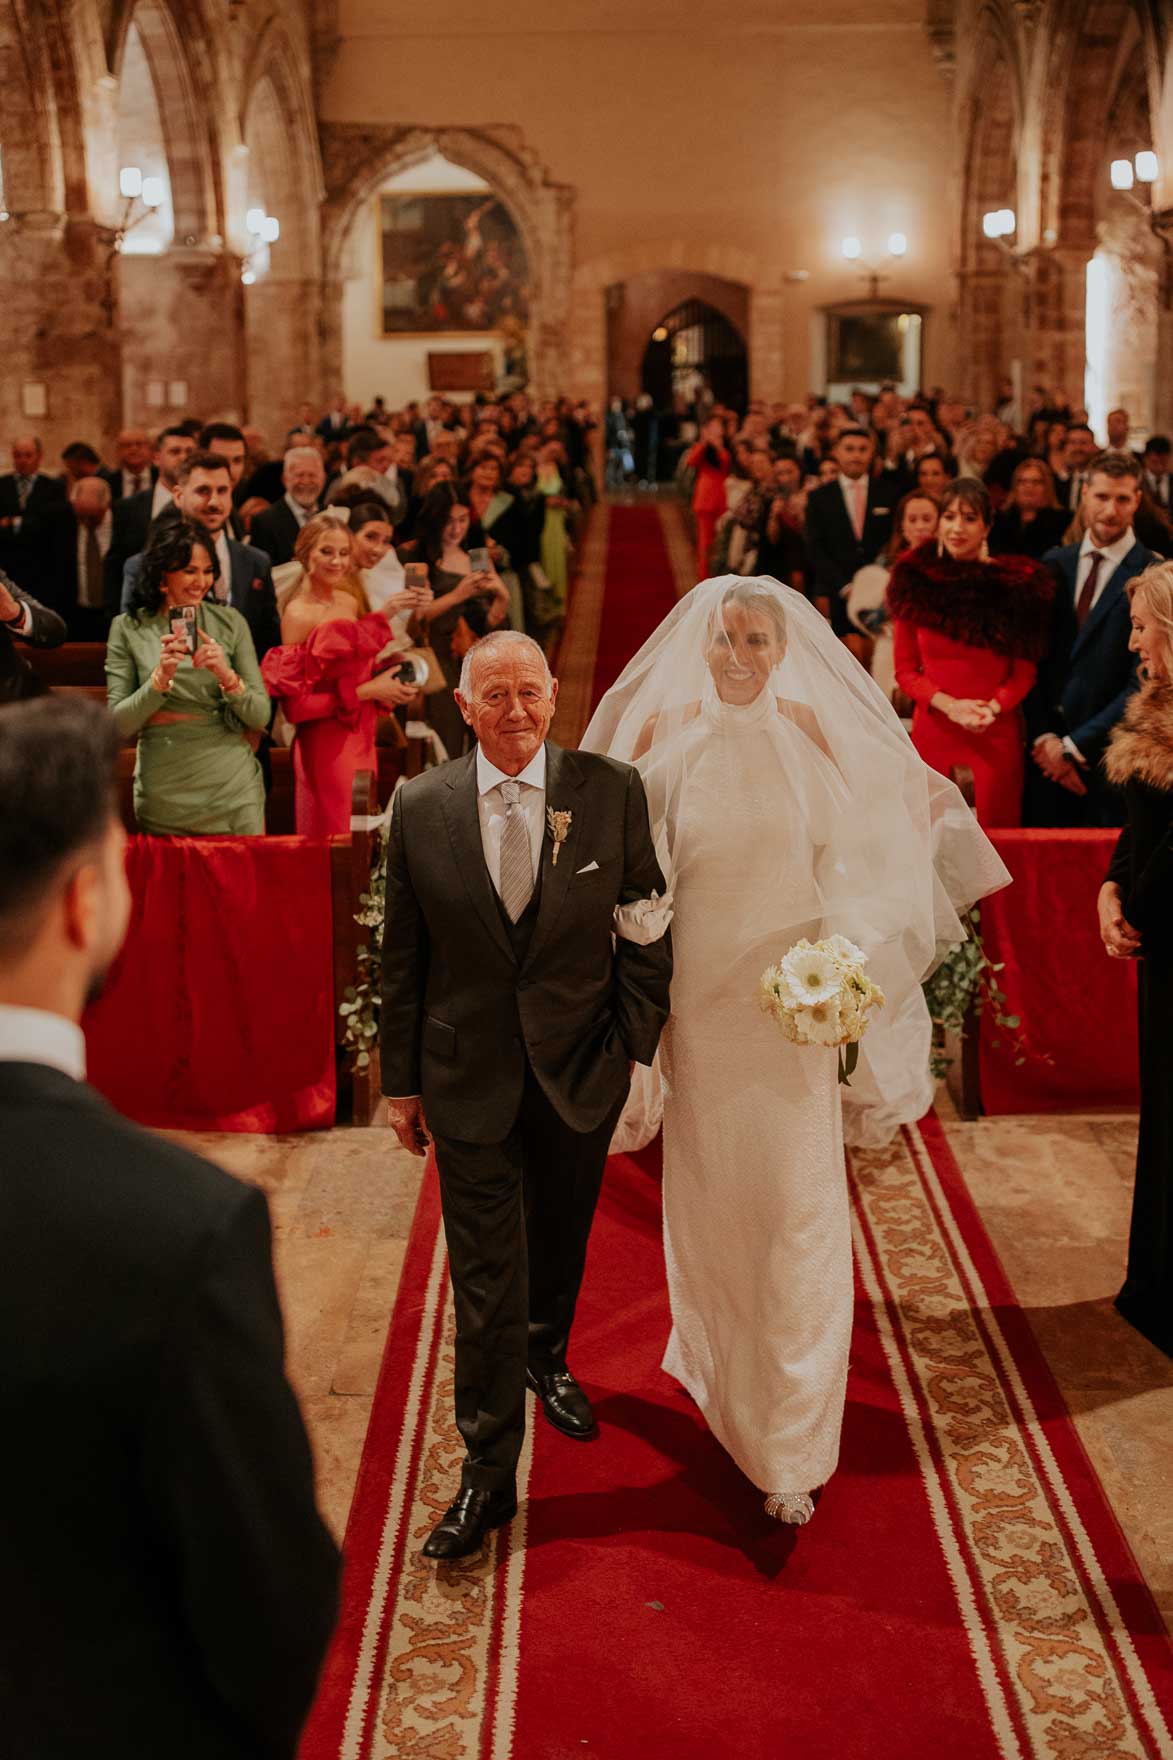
column 130, row 182
column 992, row 224
column 1147, row 167
column 152, row 192
column 255, row 220
column 271, row 229
column 897, row 244
column 1120, row 172
column 851, row 248
column 247, row 277
column 1009, row 222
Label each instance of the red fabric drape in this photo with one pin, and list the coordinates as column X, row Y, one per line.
column 219, row 1013
column 1078, row 1007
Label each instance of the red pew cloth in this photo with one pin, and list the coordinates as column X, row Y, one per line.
column 219, row 1012
column 1078, row 1007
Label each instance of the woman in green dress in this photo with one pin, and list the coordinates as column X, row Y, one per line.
column 554, row 552
column 195, row 773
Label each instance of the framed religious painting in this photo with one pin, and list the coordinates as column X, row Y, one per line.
column 450, row 265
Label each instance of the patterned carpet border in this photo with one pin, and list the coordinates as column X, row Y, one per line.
column 1071, row 1655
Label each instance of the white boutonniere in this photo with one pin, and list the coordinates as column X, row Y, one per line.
column 559, row 828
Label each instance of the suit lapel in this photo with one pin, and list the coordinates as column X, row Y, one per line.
column 1110, row 596
column 463, row 821
column 563, row 794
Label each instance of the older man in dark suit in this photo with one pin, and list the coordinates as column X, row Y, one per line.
column 1087, row 675
column 848, row 522
column 33, row 520
column 170, row 1587
column 510, row 1023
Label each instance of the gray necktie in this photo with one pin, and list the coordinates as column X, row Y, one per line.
column 517, row 874
column 24, row 488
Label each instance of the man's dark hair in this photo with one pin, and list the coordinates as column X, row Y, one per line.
column 81, row 451
column 1077, row 428
column 200, row 461
column 1114, row 464
column 361, row 445
column 219, row 431
column 1154, row 443
column 853, row 433
column 169, row 547
column 178, row 432
column 58, row 793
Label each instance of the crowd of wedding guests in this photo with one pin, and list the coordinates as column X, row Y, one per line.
column 979, row 571
column 304, row 598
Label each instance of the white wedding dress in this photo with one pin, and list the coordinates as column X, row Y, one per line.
column 806, row 813
column 757, row 1234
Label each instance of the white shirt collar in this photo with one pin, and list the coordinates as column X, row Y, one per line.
column 851, row 485
column 488, row 775
column 300, row 513
column 1113, row 554
column 32, row 1035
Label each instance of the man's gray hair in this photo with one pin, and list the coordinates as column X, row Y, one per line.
column 492, row 644
column 85, row 487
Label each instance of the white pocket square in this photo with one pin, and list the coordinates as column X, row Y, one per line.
column 591, row 868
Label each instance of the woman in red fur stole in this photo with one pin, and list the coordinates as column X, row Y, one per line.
column 969, row 632
column 1136, row 923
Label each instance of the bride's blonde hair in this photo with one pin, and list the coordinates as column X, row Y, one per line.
column 308, row 539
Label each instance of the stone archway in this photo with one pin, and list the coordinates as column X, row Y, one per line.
column 357, row 159
column 637, row 305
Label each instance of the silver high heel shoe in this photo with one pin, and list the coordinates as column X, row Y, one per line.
column 795, row 1507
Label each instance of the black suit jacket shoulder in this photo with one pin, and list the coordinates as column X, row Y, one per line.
column 155, row 1454
column 275, row 532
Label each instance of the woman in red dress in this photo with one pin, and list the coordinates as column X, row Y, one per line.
column 969, row 632
column 709, row 459
column 324, row 676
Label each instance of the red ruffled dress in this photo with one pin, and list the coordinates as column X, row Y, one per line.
column 317, row 683
column 971, row 629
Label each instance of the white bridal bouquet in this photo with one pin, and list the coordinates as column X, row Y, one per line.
column 820, row 994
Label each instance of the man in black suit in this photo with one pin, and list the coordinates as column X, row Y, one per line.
column 134, row 472
column 170, row 1585
column 1079, row 448
column 23, row 619
column 848, row 522
column 204, row 494
column 134, row 513
column 33, row 520
column 276, row 530
column 1087, row 674
column 510, row 1025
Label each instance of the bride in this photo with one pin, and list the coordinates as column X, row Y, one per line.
column 786, row 800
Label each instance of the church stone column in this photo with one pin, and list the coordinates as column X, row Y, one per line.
column 765, row 344
column 182, row 324
column 59, row 299
column 1055, row 351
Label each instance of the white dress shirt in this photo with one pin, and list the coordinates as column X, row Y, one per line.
column 162, row 498
column 854, row 490
column 493, row 811
column 223, row 589
column 134, row 482
column 300, row 513
column 89, row 592
column 32, row 1035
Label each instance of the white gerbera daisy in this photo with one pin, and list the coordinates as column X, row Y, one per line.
column 820, row 1025
column 811, row 976
column 844, row 952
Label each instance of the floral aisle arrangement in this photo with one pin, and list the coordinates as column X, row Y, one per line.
column 820, row 994
column 968, row 978
column 360, row 1007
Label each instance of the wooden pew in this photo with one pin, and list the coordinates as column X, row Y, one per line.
column 73, row 663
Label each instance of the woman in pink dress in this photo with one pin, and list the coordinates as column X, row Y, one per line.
column 324, row 676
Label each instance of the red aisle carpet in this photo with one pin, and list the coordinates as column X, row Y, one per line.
column 640, row 590
column 963, row 1590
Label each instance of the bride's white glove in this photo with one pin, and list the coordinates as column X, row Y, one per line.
column 644, row 921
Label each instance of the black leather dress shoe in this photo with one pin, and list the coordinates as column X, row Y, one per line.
column 463, row 1527
column 564, row 1403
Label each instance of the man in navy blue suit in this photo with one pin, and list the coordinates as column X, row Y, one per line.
column 1088, row 673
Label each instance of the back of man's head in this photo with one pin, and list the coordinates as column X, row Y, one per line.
column 64, row 903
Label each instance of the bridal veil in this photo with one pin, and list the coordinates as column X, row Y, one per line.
column 895, row 855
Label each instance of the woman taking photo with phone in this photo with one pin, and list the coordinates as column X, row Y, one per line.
column 468, row 603
column 332, row 675
column 181, row 672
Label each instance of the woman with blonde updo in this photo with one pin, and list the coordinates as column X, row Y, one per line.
column 324, row 675
column 1137, row 923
